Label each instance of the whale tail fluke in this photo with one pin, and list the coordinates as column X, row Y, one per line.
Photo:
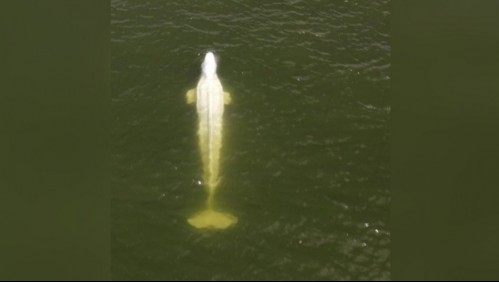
column 210, row 218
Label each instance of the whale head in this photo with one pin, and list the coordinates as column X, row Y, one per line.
column 209, row 66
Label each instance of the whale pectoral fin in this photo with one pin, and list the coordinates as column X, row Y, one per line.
column 191, row 96
column 227, row 98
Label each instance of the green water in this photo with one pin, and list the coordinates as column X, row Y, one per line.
column 305, row 157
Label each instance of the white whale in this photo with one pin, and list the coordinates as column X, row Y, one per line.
column 210, row 99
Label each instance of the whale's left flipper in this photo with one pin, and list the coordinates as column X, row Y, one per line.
column 191, row 96
column 227, row 98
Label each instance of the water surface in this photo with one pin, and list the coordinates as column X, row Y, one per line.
column 305, row 158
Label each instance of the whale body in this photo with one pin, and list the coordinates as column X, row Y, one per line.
column 210, row 100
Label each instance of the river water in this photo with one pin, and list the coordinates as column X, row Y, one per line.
column 305, row 157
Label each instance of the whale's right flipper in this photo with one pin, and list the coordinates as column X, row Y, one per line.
column 191, row 96
column 227, row 98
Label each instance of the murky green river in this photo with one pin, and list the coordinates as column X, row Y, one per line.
column 305, row 157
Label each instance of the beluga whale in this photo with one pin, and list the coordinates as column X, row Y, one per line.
column 210, row 100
